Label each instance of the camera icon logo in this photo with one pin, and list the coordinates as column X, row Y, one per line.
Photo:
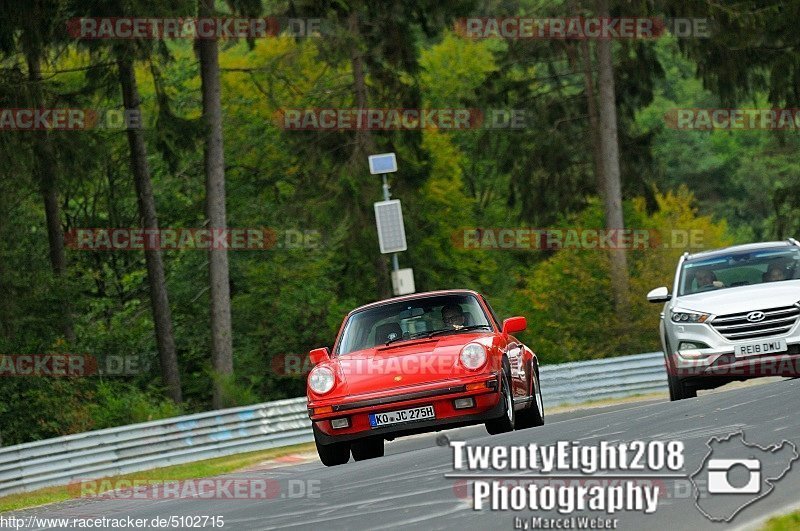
column 719, row 471
column 736, row 474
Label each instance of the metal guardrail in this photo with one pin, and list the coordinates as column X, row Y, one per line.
column 138, row 447
column 584, row 381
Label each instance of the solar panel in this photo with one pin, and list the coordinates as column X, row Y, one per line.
column 391, row 232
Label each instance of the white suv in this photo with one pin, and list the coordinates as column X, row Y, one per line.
column 732, row 315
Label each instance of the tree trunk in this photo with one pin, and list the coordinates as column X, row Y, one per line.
column 365, row 144
column 159, row 299
column 609, row 157
column 221, row 329
column 45, row 165
column 591, row 109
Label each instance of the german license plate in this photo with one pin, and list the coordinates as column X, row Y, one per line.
column 376, row 420
column 760, row 348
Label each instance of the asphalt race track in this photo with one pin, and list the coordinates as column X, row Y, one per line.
column 407, row 487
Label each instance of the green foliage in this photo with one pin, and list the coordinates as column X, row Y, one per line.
column 572, row 316
column 749, row 178
column 732, row 186
column 117, row 404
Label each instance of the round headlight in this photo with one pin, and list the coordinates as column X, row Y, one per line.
column 321, row 380
column 473, row 356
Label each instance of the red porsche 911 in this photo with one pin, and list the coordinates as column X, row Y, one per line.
column 420, row 363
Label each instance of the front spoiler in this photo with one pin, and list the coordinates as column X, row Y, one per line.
column 425, row 426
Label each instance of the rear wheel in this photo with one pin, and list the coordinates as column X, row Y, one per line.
column 367, row 449
column 332, row 454
column 506, row 422
column 533, row 415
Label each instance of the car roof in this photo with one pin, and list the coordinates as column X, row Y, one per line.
column 739, row 249
column 415, row 296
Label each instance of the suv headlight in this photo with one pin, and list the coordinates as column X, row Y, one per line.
column 321, row 380
column 689, row 317
column 473, row 356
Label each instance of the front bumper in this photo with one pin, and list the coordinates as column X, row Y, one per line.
column 484, row 389
column 719, row 359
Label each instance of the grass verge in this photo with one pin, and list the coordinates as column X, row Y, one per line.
column 199, row 469
column 786, row 522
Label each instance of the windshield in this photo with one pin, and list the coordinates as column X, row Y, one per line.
column 739, row 269
column 410, row 319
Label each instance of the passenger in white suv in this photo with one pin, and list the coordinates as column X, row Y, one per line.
column 774, row 273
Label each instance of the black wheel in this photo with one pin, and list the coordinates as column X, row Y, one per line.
column 367, row 449
column 679, row 390
column 332, row 454
column 504, row 423
column 533, row 415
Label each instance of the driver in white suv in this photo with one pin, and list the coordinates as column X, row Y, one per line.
column 707, row 279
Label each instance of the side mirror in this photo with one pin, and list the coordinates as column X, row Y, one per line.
column 318, row 355
column 659, row 295
column 514, row 324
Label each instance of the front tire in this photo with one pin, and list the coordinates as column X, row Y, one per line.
column 505, row 423
column 679, row 389
column 367, row 449
column 533, row 415
column 332, row 454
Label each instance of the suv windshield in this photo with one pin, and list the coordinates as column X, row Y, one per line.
column 409, row 319
column 739, row 269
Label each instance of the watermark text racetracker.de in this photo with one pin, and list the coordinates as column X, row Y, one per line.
column 97, row 28
column 696, row 363
column 301, row 365
column 68, row 119
column 167, row 239
column 621, row 472
column 66, row 365
column 575, row 238
column 393, row 119
column 708, row 119
column 221, row 488
column 581, row 28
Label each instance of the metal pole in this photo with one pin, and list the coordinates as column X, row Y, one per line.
column 386, row 196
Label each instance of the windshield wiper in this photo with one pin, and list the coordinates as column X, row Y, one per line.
column 401, row 338
column 462, row 329
column 429, row 335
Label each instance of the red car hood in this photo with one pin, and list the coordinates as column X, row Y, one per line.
column 404, row 363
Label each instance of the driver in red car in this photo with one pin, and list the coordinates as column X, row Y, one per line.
column 452, row 315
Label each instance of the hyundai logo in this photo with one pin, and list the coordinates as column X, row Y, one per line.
column 755, row 317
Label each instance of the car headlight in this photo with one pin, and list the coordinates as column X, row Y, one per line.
column 321, row 380
column 473, row 356
column 689, row 317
